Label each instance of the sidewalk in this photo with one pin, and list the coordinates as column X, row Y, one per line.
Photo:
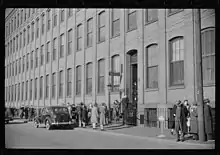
column 18, row 120
column 145, row 132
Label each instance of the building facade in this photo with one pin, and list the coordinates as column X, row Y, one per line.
column 54, row 56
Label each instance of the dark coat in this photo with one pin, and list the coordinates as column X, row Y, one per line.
column 208, row 119
column 184, row 114
column 194, row 120
column 180, row 119
column 172, row 117
column 79, row 112
column 102, row 115
column 84, row 114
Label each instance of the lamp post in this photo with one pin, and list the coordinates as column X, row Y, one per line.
column 109, row 98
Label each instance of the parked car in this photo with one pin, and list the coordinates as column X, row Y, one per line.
column 54, row 116
column 8, row 115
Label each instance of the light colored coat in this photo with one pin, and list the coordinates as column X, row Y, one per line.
column 94, row 116
column 102, row 115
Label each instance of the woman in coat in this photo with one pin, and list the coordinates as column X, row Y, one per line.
column 102, row 116
column 208, row 119
column 184, row 115
column 84, row 113
column 172, row 119
column 94, row 116
column 194, row 121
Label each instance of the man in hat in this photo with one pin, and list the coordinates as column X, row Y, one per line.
column 124, row 102
column 208, row 119
column 178, row 124
column 194, row 130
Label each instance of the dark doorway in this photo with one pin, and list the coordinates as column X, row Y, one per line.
column 134, row 84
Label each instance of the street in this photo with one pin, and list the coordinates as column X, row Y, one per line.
column 24, row 135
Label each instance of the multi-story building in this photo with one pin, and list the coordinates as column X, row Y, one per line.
column 55, row 56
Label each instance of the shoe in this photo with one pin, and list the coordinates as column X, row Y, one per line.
column 177, row 140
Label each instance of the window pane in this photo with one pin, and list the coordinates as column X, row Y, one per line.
column 151, row 14
column 116, row 27
column 102, row 34
column 102, row 19
column 132, row 21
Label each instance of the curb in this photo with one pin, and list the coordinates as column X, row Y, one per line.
column 144, row 138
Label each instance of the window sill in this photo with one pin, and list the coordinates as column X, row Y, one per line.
column 101, row 94
column 88, row 95
column 151, row 21
column 89, row 46
column 114, row 92
column 115, row 36
column 151, row 89
column 175, row 12
column 99, row 42
column 176, row 87
column 209, row 85
column 131, row 30
column 78, row 50
column 78, row 95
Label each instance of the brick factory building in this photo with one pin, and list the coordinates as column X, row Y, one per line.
column 54, row 56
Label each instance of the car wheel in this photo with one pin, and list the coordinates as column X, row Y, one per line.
column 36, row 125
column 48, row 126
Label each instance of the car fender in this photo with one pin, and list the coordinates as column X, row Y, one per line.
column 37, row 119
column 47, row 118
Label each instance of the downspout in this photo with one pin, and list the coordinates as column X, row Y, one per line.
column 165, row 32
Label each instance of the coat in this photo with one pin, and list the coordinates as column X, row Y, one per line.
column 84, row 114
column 180, row 119
column 194, row 120
column 102, row 115
column 79, row 112
column 94, row 116
column 208, row 119
column 172, row 117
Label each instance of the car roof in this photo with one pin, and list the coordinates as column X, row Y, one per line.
column 51, row 107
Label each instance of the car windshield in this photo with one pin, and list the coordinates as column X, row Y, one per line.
column 60, row 110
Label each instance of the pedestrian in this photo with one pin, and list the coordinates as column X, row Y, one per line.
column 172, row 119
column 208, row 119
column 125, row 101
column 79, row 112
column 102, row 116
column 94, row 116
column 187, row 114
column 178, row 122
column 69, row 109
column 26, row 112
column 89, row 113
column 84, row 113
column 106, row 114
column 194, row 130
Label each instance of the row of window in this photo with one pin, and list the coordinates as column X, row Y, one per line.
column 151, row 15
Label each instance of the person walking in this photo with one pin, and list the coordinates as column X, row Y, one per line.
column 79, row 112
column 84, row 114
column 208, row 119
column 194, row 130
column 172, row 119
column 94, row 116
column 106, row 114
column 125, row 101
column 178, row 122
column 89, row 113
column 102, row 116
column 69, row 109
column 187, row 114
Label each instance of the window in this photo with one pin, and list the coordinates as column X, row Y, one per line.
column 24, row 36
column 62, row 15
column 25, row 15
column 42, row 55
column 61, row 84
column 69, row 42
column 41, row 87
column 32, row 33
column 70, row 12
column 47, row 87
column 55, row 20
column 132, row 20
column 116, row 66
column 23, row 63
column 53, row 85
column 101, row 30
column 78, row 80
column 22, row 92
column 115, row 22
column 42, row 27
column 26, row 95
column 30, row 89
column 14, row 45
column 101, row 76
column 54, row 48
column 12, row 25
column 35, row 87
column 20, row 40
column 28, row 34
column 61, row 45
column 151, row 15
column 48, row 20
column 89, row 32
column 21, row 16
column 69, row 82
column 33, row 10
column 208, row 56
column 176, row 61
column 36, row 58
column 29, row 13
column 37, row 27
column 79, row 37
column 27, row 66
column 15, row 23
column 152, row 66
column 32, row 61
column 48, row 52
column 19, row 92
column 19, row 66
column 171, row 11
column 17, row 42
column 18, row 21
column 89, row 78
column 11, row 48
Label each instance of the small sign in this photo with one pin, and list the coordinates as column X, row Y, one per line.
column 161, row 118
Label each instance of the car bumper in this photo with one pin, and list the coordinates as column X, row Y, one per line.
column 63, row 123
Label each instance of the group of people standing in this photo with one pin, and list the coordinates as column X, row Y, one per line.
column 185, row 120
column 92, row 114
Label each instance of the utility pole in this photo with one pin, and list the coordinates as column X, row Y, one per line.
column 199, row 79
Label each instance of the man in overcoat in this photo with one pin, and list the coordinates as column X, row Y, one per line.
column 94, row 116
column 172, row 119
column 208, row 119
column 125, row 102
column 79, row 112
column 102, row 116
column 178, row 122
column 194, row 121
column 84, row 115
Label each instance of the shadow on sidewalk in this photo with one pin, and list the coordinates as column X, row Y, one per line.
column 10, row 123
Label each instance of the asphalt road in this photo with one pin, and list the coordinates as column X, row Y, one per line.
column 24, row 135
